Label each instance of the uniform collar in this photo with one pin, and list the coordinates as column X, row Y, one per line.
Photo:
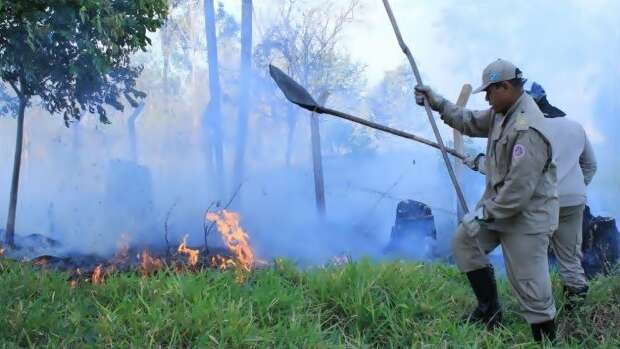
column 505, row 119
column 516, row 104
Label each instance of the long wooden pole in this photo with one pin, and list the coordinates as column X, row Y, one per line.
column 427, row 106
column 386, row 129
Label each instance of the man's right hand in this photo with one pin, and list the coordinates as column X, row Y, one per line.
column 473, row 162
column 435, row 100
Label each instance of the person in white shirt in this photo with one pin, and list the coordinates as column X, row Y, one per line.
column 576, row 166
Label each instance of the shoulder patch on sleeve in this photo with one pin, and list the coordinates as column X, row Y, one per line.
column 518, row 151
column 522, row 123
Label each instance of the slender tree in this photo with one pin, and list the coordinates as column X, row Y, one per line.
column 72, row 57
column 244, row 88
column 131, row 130
column 165, row 41
column 212, row 123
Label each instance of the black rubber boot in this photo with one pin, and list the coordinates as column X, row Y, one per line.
column 544, row 329
column 574, row 297
column 488, row 311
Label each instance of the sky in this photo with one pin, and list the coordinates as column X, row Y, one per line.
column 570, row 47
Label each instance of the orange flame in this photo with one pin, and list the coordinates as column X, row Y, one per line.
column 192, row 255
column 234, row 237
column 221, row 262
column 148, row 264
column 97, row 277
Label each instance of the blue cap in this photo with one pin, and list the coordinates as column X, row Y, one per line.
column 537, row 91
column 540, row 97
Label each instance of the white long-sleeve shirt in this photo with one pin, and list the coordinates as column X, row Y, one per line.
column 574, row 158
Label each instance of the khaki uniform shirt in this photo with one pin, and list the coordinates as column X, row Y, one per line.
column 521, row 182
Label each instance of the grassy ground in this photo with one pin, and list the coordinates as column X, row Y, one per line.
column 359, row 305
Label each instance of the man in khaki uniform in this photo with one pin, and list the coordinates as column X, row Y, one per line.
column 519, row 208
column 576, row 166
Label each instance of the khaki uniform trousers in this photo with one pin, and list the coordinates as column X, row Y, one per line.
column 527, row 266
column 566, row 245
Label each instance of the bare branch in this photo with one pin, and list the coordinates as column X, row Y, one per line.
column 166, row 226
column 208, row 230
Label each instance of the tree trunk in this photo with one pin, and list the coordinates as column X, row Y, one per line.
column 213, row 113
column 76, row 151
column 292, row 121
column 165, row 49
column 9, row 239
column 244, row 93
column 131, row 129
column 76, row 140
column 458, row 146
column 192, row 42
column 317, row 162
column 166, row 46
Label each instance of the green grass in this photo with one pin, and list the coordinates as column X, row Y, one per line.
column 359, row 305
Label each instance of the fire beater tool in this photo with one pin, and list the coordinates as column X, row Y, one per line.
column 297, row 94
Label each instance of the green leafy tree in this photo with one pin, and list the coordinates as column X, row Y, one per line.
column 72, row 57
column 8, row 103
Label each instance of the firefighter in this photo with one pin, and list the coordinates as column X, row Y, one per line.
column 576, row 166
column 519, row 209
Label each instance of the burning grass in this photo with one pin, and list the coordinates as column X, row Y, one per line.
column 147, row 264
column 237, row 255
column 192, row 255
column 236, row 240
column 360, row 304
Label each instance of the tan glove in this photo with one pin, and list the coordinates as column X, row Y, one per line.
column 471, row 221
column 435, row 100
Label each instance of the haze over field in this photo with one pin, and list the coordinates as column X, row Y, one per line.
column 73, row 178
